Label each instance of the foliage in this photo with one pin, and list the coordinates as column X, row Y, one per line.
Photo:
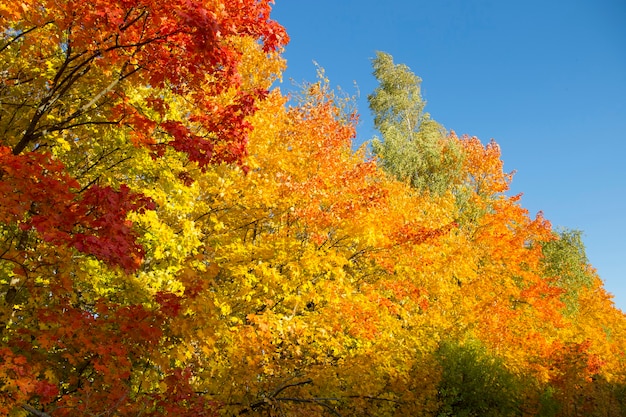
column 106, row 108
column 414, row 147
column 475, row 383
column 176, row 239
column 565, row 260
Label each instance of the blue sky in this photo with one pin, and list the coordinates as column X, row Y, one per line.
column 545, row 79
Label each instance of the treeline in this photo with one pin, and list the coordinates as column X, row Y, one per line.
column 178, row 238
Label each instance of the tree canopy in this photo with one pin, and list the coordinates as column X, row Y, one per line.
column 177, row 237
column 414, row 147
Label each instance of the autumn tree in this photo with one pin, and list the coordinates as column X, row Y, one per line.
column 318, row 285
column 306, row 294
column 105, row 109
column 500, row 270
column 178, row 238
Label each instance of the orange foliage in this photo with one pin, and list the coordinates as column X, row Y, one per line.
column 194, row 273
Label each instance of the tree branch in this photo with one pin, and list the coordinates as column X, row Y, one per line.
column 272, row 396
column 295, row 384
column 34, row 411
column 24, row 33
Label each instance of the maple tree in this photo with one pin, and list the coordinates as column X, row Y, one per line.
column 507, row 280
column 66, row 72
column 301, row 260
column 102, row 104
column 178, row 238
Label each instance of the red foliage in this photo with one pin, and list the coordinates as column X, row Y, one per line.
column 36, row 193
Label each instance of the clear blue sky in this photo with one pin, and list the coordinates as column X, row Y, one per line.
column 545, row 79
